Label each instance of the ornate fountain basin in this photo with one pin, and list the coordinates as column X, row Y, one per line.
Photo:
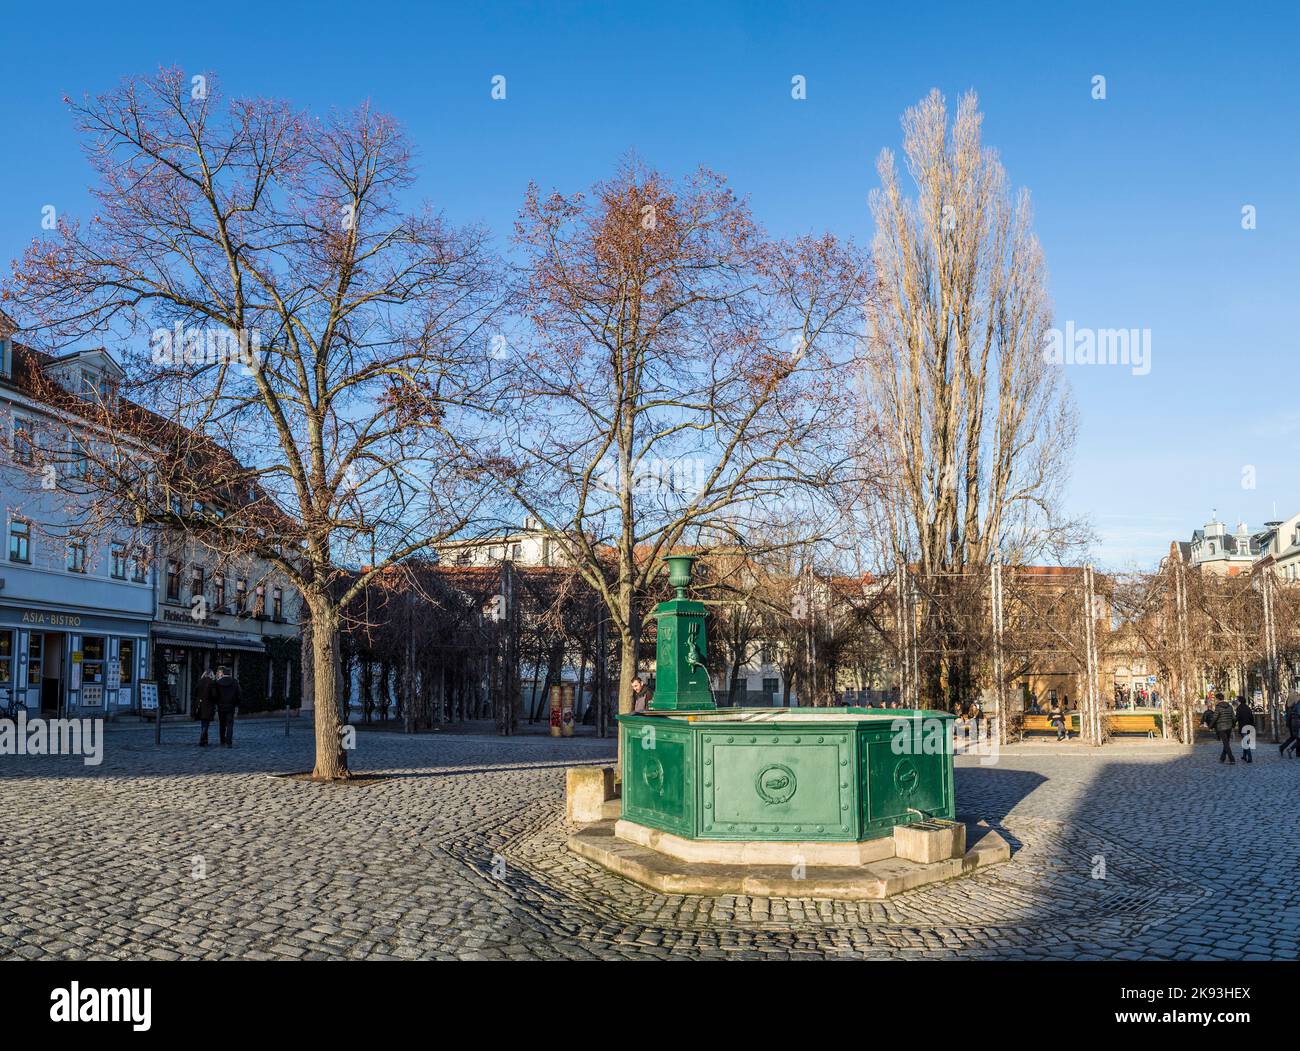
column 787, row 774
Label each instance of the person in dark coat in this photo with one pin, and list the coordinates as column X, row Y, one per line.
column 1225, row 718
column 1291, row 720
column 205, row 699
column 226, row 689
column 641, row 695
column 1246, row 718
column 1057, row 717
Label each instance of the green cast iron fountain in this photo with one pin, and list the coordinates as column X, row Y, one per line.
column 785, row 774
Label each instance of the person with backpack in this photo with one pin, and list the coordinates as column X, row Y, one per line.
column 1225, row 718
column 1245, row 719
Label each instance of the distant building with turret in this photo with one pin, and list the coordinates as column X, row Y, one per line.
column 1218, row 550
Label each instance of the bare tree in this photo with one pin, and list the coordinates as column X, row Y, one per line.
column 315, row 356
column 681, row 378
column 976, row 427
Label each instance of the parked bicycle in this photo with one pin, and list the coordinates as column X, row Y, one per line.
column 10, row 707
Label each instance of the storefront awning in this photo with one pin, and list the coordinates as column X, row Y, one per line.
column 208, row 641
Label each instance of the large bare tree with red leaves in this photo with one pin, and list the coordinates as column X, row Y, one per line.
column 682, row 379
column 306, row 346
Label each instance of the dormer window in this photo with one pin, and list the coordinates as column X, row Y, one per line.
column 6, row 357
column 97, row 387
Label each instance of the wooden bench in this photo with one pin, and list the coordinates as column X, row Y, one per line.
column 1043, row 723
column 1120, row 723
column 1135, row 723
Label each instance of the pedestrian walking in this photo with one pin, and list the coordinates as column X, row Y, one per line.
column 205, row 699
column 1225, row 718
column 1246, row 727
column 228, row 697
column 1291, row 720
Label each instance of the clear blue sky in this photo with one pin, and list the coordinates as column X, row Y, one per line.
column 1138, row 197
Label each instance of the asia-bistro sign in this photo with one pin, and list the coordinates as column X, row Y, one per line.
column 61, row 620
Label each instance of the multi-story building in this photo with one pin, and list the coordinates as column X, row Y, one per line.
column 88, row 612
column 75, row 606
column 527, row 546
column 212, row 614
column 1279, row 548
column 1217, row 550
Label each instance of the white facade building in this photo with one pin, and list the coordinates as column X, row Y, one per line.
column 75, row 608
column 88, row 615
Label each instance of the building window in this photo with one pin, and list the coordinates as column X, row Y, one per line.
column 6, row 660
column 197, row 581
column 20, row 539
column 140, row 566
column 771, row 685
column 78, row 461
column 126, row 662
column 259, row 602
column 23, row 442
column 219, row 590
column 76, row 555
column 516, row 552
column 118, row 561
column 241, row 595
column 35, row 655
column 97, row 387
column 92, row 660
column 173, row 580
column 277, row 604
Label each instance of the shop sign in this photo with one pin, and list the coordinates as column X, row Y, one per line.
column 62, row 620
column 186, row 618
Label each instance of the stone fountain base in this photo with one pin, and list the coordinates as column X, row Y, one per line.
column 913, row 856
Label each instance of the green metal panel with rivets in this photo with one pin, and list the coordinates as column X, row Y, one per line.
column 659, row 765
column 778, row 783
column 711, row 776
column 907, row 768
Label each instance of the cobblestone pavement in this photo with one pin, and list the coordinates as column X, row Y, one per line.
column 177, row 852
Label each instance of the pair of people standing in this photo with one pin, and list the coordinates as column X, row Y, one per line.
column 1223, row 718
column 218, row 694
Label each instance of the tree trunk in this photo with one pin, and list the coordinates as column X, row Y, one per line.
column 628, row 654
column 331, row 759
column 731, row 682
